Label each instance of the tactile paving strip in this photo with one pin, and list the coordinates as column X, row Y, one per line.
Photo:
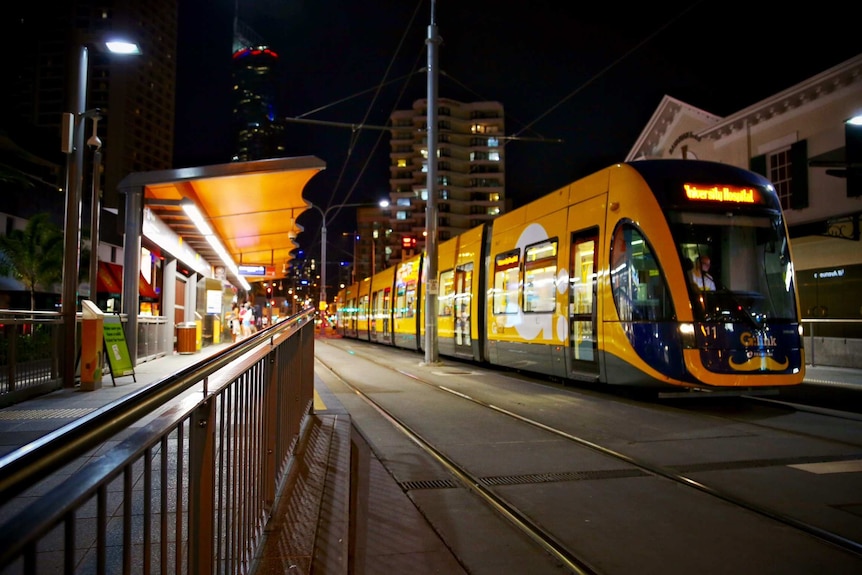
column 18, row 414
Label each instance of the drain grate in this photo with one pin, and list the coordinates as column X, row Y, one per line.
column 24, row 414
column 561, row 476
column 428, row 484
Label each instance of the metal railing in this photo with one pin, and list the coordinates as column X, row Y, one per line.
column 30, row 348
column 833, row 342
column 155, row 337
column 189, row 486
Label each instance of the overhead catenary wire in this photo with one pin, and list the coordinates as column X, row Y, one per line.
column 363, row 125
column 355, row 133
column 613, row 64
column 357, row 128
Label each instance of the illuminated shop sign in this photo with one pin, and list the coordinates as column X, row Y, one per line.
column 839, row 273
column 721, row 193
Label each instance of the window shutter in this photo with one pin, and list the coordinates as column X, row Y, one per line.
column 799, row 175
column 758, row 164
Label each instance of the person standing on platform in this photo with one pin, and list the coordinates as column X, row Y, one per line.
column 234, row 319
column 245, row 320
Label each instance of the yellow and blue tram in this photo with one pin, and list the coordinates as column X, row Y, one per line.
column 593, row 282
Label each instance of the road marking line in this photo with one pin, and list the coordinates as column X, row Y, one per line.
column 854, row 466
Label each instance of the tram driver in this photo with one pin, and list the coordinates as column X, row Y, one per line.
column 700, row 276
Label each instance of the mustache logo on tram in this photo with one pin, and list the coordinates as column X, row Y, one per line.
column 757, row 359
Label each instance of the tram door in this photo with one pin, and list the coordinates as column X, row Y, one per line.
column 379, row 316
column 462, row 305
column 380, row 323
column 582, row 301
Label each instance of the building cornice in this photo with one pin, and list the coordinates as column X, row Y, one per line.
column 816, row 87
column 670, row 111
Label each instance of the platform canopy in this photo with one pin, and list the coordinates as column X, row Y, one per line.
column 251, row 207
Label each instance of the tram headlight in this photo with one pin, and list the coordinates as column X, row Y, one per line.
column 686, row 333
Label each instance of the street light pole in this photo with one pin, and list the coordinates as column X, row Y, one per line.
column 322, row 301
column 95, row 207
column 73, row 146
column 323, row 215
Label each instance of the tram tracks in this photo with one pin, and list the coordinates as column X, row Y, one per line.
column 483, row 486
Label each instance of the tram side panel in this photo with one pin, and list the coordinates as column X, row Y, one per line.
column 526, row 307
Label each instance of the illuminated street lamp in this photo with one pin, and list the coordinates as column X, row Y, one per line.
column 73, row 146
column 323, row 215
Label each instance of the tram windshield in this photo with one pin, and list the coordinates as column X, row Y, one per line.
column 738, row 266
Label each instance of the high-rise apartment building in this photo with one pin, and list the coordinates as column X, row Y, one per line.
column 372, row 248
column 471, row 184
column 135, row 94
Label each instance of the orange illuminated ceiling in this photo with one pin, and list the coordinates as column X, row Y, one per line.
column 251, row 206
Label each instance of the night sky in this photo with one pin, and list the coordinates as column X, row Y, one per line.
column 591, row 77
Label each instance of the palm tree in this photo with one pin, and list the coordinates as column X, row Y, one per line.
column 34, row 255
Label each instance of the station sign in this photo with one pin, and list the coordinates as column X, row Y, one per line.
column 256, row 270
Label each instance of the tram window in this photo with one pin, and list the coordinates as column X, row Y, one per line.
column 447, row 293
column 410, row 300
column 638, row 285
column 363, row 308
column 400, row 300
column 750, row 265
column 505, row 294
column 540, row 272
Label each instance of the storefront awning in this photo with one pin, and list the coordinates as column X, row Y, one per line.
column 146, row 290
column 110, row 280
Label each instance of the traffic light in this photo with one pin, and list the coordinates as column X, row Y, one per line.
column 268, row 291
column 408, row 242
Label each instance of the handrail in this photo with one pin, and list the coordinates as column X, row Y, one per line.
column 19, row 468
column 811, row 322
column 227, row 446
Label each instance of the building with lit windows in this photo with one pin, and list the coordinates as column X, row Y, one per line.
column 471, row 170
column 137, row 94
column 259, row 132
column 372, row 250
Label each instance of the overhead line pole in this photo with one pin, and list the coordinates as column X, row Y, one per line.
column 431, row 287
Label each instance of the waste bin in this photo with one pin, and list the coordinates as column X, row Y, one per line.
column 186, row 335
